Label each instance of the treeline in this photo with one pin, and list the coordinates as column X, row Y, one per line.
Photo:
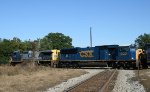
column 142, row 40
column 50, row 41
column 7, row 46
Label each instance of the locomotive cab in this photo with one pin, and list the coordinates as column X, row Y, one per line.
column 16, row 56
column 45, row 55
column 49, row 57
column 138, row 52
column 27, row 55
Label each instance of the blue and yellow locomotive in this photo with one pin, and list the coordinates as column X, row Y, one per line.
column 147, row 52
column 110, row 55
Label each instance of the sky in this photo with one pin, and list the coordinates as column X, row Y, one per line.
column 112, row 21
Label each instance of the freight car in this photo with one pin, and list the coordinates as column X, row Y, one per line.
column 107, row 55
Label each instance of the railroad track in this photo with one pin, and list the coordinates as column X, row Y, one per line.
column 97, row 83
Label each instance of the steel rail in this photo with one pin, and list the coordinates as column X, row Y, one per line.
column 80, row 83
column 102, row 88
column 106, row 85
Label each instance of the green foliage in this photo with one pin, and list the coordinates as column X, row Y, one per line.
column 55, row 41
column 142, row 40
column 8, row 46
column 51, row 41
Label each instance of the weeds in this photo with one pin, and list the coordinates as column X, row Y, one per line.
column 25, row 68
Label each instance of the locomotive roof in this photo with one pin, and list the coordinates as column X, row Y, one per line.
column 46, row 51
column 109, row 46
column 124, row 46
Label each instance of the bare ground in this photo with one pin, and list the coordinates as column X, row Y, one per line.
column 144, row 78
column 33, row 78
column 127, row 82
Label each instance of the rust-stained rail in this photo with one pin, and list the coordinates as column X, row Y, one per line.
column 97, row 83
column 106, row 85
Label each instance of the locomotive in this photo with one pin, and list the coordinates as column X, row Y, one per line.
column 147, row 51
column 114, row 56
column 45, row 57
column 110, row 55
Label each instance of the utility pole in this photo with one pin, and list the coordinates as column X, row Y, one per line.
column 33, row 50
column 91, row 36
column 39, row 44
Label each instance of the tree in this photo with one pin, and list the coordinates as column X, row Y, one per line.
column 55, row 41
column 142, row 40
column 51, row 41
column 8, row 46
column 5, row 51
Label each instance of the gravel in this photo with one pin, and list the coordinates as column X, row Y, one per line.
column 71, row 82
column 124, row 82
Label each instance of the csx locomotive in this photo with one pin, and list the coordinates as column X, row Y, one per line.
column 40, row 57
column 106, row 55
column 147, row 51
column 111, row 55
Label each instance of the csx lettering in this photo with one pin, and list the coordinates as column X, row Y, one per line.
column 87, row 54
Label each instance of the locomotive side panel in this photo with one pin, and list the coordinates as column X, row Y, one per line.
column 68, row 54
column 80, row 54
column 108, row 52
column 147, row 49
column 90, row 53
column 126, row 53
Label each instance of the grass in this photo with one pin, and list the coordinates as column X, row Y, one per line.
column 32, row 78
column 19, row 69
